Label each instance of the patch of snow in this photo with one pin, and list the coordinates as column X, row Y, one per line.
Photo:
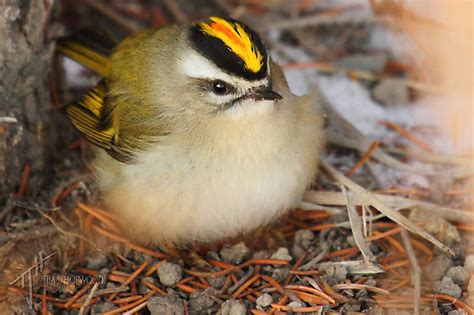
column 76, row 74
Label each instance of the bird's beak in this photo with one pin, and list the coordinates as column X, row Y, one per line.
column 266, row 95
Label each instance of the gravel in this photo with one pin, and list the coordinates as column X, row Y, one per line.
column 200, row 302
column 103, row 307
column 232, row 307
column 469, row 264
column 447, row 286
column 282, row 253
column 391, row 92
column 458, row 274
column 169, row 273
column 437, row 268
column 335, row 273
column 170, row 304
column 235, row 253
column 304, row 238
column 264, row 300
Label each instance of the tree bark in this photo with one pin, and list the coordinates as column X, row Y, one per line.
column 26, row 129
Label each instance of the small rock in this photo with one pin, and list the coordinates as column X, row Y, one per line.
column 470, row 291
column 304, row 238
column 436, row 269
column 278, row 274
column 351, row 240
column 282, row 253
column 391, row 92
column 170, row 304
column 435, row 225
column 336, row 273
column 232, row 307
column 295, row 304
column 234, row 254
column 261, row 254
column 447, row 286
column 458, row 274
column 363, row 62
column 216, row 282
column 103, row 307
column 297, row 250
column 169, row 273
column 200, row 301
column 97, row 261
column 264, row 300
column 469, row 264
column 470, row 286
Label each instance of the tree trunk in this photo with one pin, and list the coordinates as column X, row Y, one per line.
column 27, row 137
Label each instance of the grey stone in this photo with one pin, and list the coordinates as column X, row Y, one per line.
column 232, row 307
column 371, row 63
column 295, row 304
column 264, row 300
column 436, row 269
column 235, row 253
column 282, row 253
column 469, row 264
column 304, row 238
column 336, row 273
column 391, row 92
column 447, row 286
column 103, row 307
column 458, row 274
column 216, row 282
column 200, row 301
column 170, row 304
column 97, row 260
column 169, row 273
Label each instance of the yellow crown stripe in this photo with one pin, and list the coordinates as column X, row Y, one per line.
column 236, row 39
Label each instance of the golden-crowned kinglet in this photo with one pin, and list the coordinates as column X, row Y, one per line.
column 200, row 137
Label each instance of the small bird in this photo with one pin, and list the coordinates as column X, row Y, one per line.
column 199, row 136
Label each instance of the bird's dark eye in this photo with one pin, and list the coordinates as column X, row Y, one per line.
column 220, row 87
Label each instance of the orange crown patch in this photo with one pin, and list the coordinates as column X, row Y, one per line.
column 236, row 39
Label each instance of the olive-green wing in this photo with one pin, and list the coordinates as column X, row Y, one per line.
column 90, row 117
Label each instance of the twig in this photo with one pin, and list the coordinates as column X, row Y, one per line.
column 316, row 20
column 356, row 228
column 60, row 229
column 337, row 199
column 364, row 158
column 88, row 299
column 416, row 270
column 372, row 200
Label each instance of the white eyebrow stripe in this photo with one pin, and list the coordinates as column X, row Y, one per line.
column 196, row 66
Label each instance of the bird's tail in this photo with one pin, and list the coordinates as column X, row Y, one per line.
column 89, row 47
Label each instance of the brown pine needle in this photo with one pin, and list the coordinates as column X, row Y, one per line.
column 246, row 285
column 408, row 135
column 274, row 283
column 25, row 177
column 132, row 305
column 154, row 287
column 311, row 290
column 132, row 277
column 100, row 215
column 76, row 296
column 453, row 300
column 153, row 268
column 364, row 158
